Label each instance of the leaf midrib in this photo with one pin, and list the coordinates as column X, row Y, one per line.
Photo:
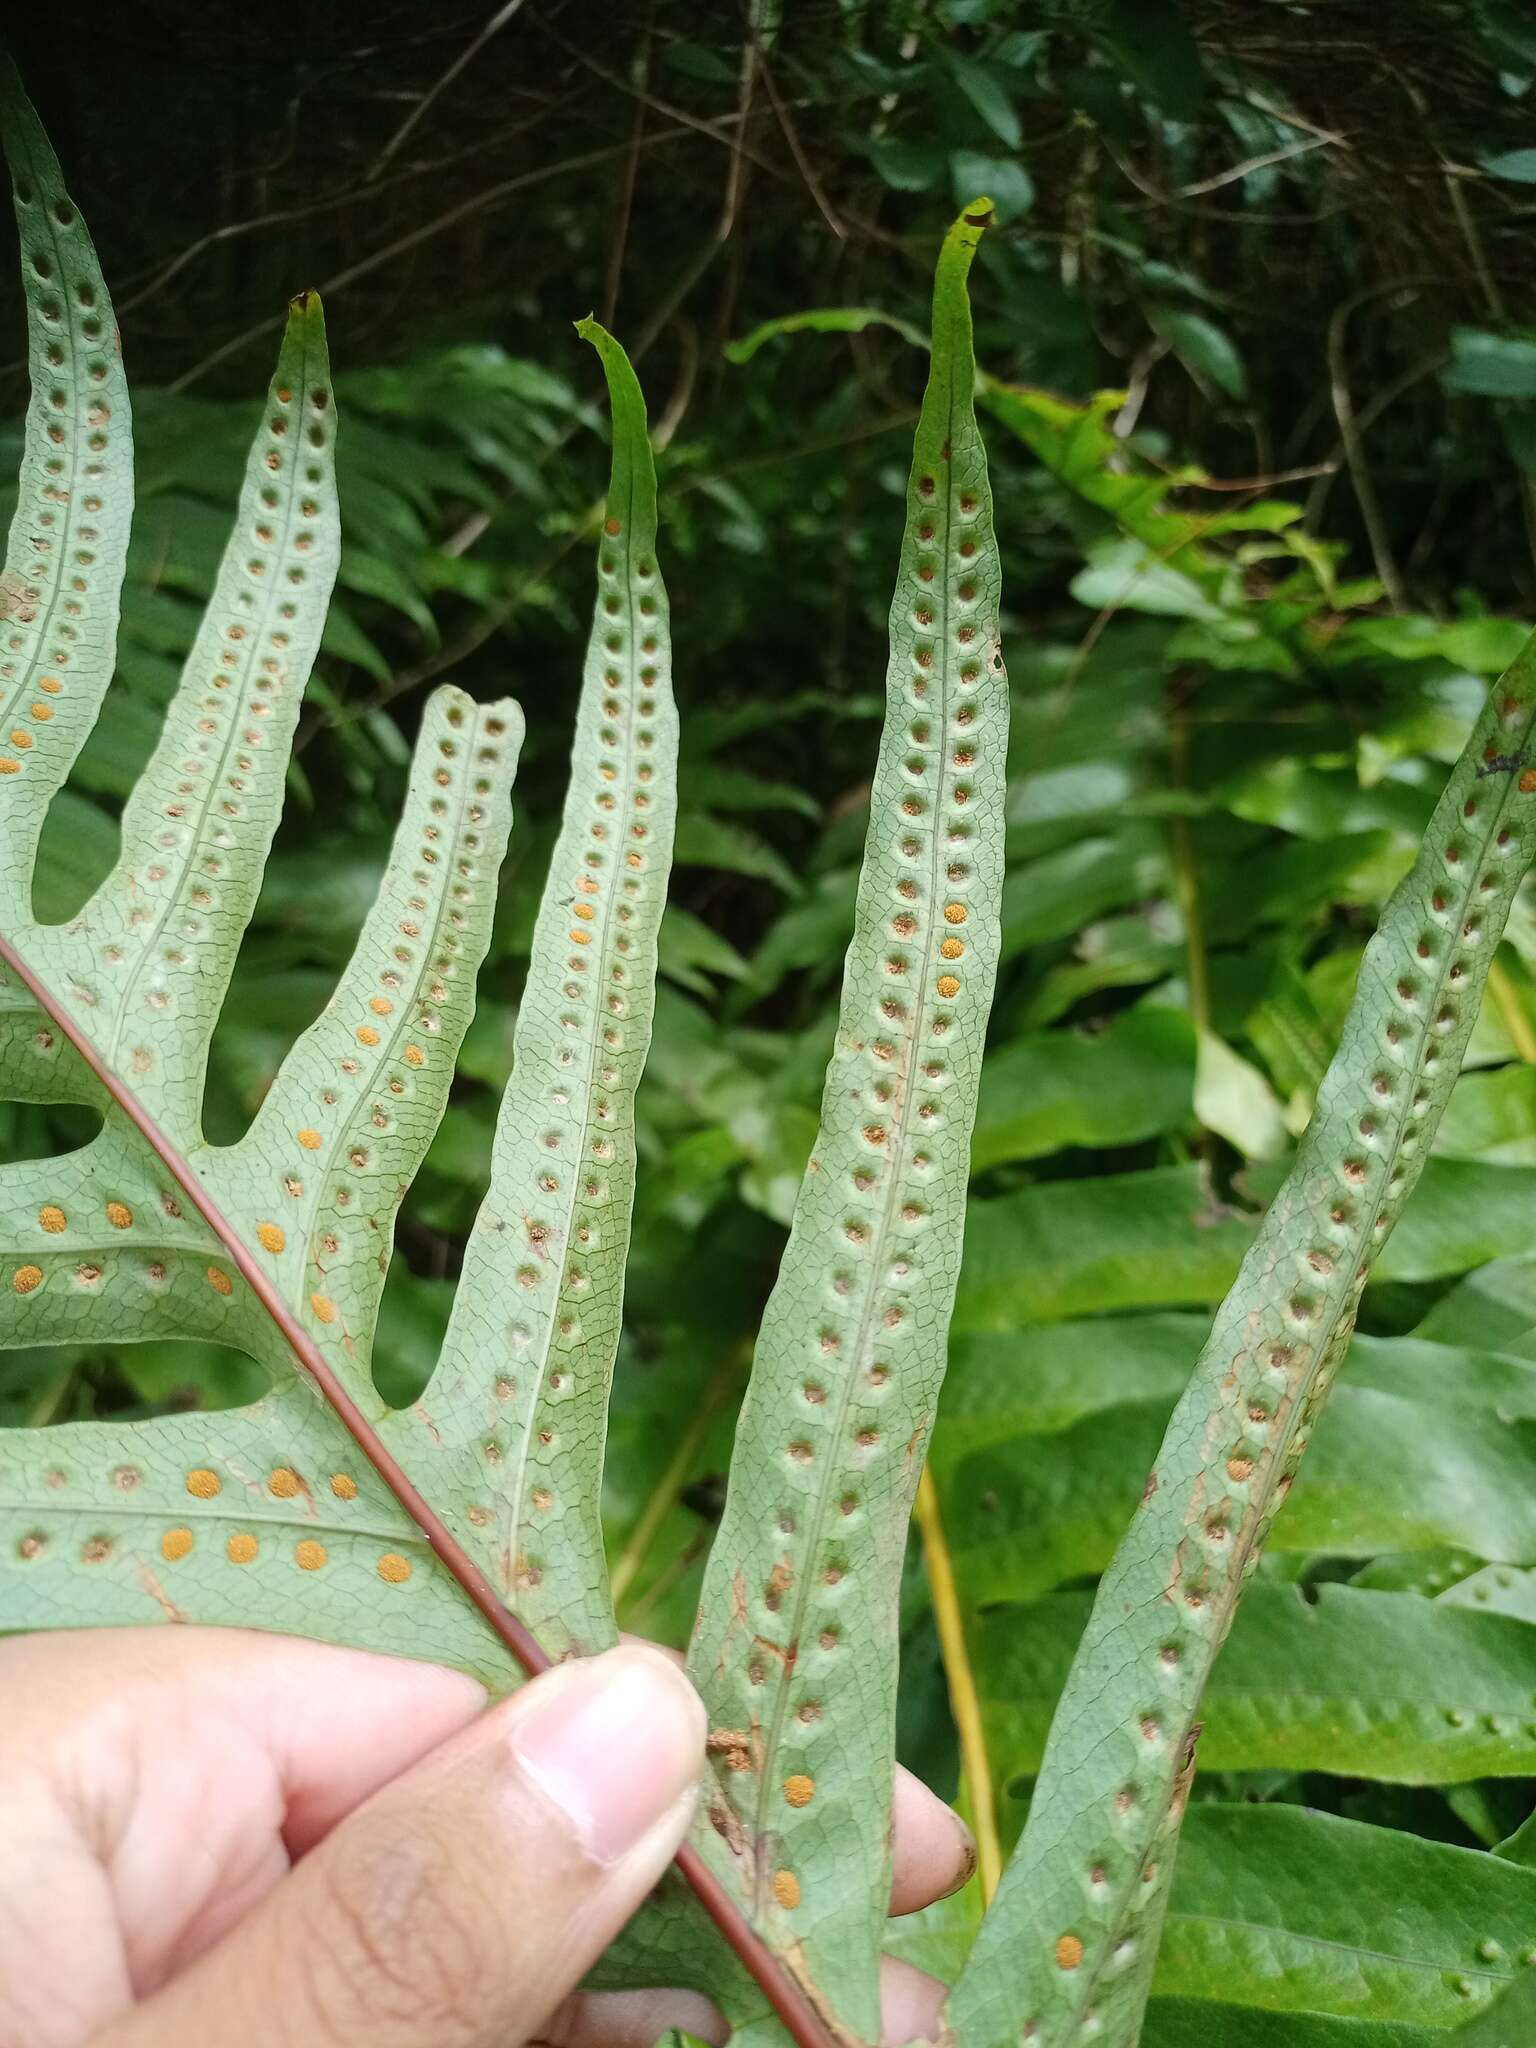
column 835, row 1466
column 160, row 1512
column 516, row 1512
column 1326, row 1944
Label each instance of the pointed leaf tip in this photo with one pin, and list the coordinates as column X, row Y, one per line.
column 592, row 329
column 306, row 310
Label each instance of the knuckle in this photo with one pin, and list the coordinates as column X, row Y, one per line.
column 402, row 1943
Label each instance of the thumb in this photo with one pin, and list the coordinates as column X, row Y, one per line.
column 460, row 1904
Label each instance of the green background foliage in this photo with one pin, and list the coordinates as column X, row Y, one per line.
column 1252, row 603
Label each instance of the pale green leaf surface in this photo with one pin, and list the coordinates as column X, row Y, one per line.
column 145, row 964
column 1120, row 1745
column 1054, row 1089
column 348, row 1120
column 1233, row 1099
column 266, row 1515
column 1047, row 1438
column 509, row 1435
column 823, row 320
column 260, row 1515
column 1494, row 1306
column 100, row 1526
column 69, row 537
column 1359, row 1684
column 795, row 1647
column 1275, row 1907
column 1161, row 1239
column 1494, row 1589
column 109, row 1523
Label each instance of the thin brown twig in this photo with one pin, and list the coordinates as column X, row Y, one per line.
column 1254, row 163
column 735, row 182
column 491, row 617
column 471, row 50
column 675, row 410
column 1385, row 395
column 1353, row 439
column 620, row 239
column 151, row 279
column 1257, row 483
column 706, row 127
column 825, row 444
column 796, row 149
column 494, row 195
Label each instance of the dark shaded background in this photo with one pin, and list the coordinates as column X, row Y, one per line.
column 678, row 172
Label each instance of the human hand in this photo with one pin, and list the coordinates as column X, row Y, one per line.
column 217, row 1837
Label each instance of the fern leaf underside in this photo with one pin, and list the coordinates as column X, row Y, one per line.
column 512, row 1427
column 1069, row 1946
column 795, row 1644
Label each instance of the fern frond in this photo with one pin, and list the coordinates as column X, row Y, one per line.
column 1069, row 1945
column 519, row 1399
column 795, row 1645
column 69, row 538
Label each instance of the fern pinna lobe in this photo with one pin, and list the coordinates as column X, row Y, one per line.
column 305, row 1351
column 263, row 1516
column 521, row 1388
column 1068, row 1949
column 795, row 1645
column 69, row 538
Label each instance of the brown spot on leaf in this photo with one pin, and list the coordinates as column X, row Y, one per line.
column 733, row 1746
column 728, row 1827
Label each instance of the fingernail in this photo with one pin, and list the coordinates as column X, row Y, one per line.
column 615, row 1742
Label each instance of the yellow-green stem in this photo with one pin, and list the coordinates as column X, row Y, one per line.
column 1186, row 872
column 672, row 1481
column 1507, row 1001
column 961, row 1680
